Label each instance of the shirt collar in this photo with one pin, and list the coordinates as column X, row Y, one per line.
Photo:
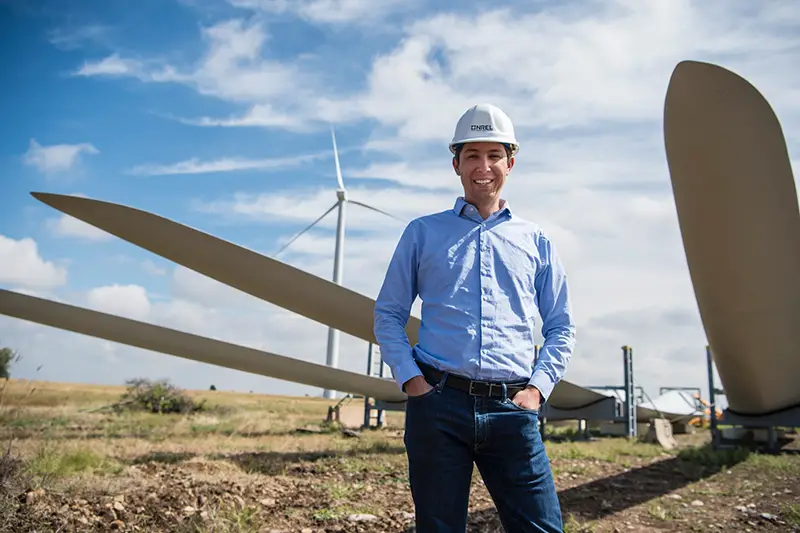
column 461, row 203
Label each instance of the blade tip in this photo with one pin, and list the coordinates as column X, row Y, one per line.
column 44, row 197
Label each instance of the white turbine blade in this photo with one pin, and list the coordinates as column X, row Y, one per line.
column 250, row 272
column 285, row 246
column 376, row 209
column 193, row 347
column 738, row 213
column 336, row 159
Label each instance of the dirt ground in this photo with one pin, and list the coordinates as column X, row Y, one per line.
column 243, row 466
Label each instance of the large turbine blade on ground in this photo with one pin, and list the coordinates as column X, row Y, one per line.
column 738, row 213
column 248, row 271
column 193, row 347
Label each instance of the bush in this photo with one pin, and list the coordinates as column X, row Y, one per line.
column 7, row 355
column 158, row 397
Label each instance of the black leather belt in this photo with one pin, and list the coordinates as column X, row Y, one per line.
column 493, row 389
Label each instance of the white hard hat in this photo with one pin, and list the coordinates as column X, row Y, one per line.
column 484, row 123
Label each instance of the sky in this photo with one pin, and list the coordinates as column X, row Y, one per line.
column 217, row 114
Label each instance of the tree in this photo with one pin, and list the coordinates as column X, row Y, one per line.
column 7, row 355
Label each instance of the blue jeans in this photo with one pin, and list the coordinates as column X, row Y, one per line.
column 447, row 431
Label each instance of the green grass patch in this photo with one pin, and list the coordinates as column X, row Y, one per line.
column 791, row 514
column 573, row 525
column 49, row 460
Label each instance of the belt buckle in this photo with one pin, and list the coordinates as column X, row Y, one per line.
column 472, row 383
column 487, row 383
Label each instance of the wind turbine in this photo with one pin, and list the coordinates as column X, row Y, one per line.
column 332, row 356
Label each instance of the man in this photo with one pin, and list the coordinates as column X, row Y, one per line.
column 473, row 382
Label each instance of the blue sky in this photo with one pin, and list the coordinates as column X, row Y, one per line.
column 216, row 114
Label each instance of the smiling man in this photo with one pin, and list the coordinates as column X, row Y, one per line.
column 473, row 382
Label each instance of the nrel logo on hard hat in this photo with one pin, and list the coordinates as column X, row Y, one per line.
column 481, row 127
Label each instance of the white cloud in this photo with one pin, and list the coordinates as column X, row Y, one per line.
column 74, row 37
column 329, row 11
column 259, row 115
column 112, row 65
column 151, row 268
column 130, row 301
column 231, row 69
column 56, row 158
column 228, row 164
column 22, row 265
column 550, row 68
column 67, row 226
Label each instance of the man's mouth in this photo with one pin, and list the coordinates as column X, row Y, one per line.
column 482, row 182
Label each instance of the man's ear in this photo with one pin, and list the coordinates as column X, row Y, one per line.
column 455, row 167
column 511, row 162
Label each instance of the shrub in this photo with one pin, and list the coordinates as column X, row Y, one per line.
column 7, row 356
column 158, row 397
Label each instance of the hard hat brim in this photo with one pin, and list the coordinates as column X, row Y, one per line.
column 514, row 146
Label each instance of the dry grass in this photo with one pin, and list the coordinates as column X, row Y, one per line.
column 243, row 466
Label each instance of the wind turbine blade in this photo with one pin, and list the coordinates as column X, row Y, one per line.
column 250, row 272
column 336, row 159
column 733, row 185
column 285, row 246
column 376, row 209
column 193, row 347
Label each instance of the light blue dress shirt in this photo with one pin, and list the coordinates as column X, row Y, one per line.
column 480, row 282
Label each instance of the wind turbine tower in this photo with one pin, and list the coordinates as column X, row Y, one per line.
column 332, row 355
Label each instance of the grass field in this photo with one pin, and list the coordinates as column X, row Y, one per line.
column 243, row 466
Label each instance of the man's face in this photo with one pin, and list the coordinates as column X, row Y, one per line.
column 483, row 167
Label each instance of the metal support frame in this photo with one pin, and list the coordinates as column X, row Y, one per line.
column 610, row 408
column 785, row 418
column 662, row 390
column 379, row 405
column 712, row 401
column 630, row 399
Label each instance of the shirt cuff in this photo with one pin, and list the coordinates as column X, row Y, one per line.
column 542, row 381
column 405, row 371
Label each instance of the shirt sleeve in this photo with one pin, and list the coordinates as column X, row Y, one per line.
column 393, row 309
column 558, row 326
